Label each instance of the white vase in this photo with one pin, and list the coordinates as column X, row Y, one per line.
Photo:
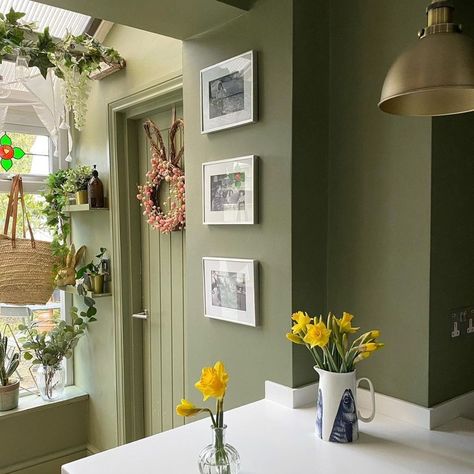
column 336, row 414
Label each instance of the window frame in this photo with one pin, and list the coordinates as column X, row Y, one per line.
column 35, row 184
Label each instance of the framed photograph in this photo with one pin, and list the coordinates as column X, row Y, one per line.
column 229, row 93
column 229, row 191
column 230, row 289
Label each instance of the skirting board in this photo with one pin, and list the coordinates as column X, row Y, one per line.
column 428, row 418
column 49, row 463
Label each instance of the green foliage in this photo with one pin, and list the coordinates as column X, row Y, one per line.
column 8, row 365
column 92, row 268
column 77, row 179
column 56, row 218
column 82, row 51
column 50, row 348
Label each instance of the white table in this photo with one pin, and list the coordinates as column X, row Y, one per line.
column 273, row 439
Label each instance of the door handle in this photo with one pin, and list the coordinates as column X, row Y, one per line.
column 142, row 315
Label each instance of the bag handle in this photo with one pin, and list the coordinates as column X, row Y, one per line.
column 17, row 194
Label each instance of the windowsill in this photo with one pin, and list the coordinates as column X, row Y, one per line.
column 30, row 403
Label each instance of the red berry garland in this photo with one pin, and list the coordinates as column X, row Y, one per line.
column 163, row 169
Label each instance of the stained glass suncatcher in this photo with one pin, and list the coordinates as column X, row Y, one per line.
column 9, row 152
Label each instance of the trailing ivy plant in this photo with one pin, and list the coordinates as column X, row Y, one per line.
column 50, row 348
column 72, row 58
column 56, row 218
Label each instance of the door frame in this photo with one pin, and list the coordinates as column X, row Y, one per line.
column 126, row 294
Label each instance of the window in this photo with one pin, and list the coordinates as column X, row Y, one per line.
column 37, row 162
column 34, row 166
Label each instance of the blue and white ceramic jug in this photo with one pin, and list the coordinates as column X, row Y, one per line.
column 336, row 414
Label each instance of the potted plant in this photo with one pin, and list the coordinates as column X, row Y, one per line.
column 93, row 271
column 9, row 390
column 47, row 350
column 77, row 180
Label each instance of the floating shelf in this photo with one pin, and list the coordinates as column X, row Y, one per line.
column 83, row 207
column 73, row 290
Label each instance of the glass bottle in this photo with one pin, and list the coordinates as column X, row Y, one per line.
column 95, row 190
column 219, row 457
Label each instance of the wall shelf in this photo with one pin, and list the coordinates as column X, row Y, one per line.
column 83, row 207
column 73, row 291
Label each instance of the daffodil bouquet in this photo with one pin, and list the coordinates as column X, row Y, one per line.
column 328, row 342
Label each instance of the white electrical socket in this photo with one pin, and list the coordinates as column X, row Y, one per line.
column 455, row 332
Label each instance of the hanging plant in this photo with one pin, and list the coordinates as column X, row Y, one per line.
column 56, row 218
column 72, row 59
column 172, row 215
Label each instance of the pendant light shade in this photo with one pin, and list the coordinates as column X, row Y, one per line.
column 436, row 76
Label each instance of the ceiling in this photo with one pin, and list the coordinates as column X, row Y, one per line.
column 179, row 19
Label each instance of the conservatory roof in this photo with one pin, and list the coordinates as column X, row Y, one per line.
column 59, row 21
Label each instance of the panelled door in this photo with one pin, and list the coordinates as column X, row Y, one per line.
column 162, row 275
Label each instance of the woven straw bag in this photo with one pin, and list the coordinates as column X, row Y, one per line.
column 26, row 265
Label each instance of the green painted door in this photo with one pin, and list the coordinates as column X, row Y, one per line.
column 162, row 257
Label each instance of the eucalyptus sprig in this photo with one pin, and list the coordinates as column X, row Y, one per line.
column 50, row 348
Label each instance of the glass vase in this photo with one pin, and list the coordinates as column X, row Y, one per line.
column 219, row 457
column 50, row 382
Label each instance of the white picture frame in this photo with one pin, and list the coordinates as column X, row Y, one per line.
column 229, row 191
column 228, row 93
column 231, row 289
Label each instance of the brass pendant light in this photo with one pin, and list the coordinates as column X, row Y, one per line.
column 436, row 76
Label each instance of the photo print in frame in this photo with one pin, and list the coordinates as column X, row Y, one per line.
column 229, row 193
column 230, row 289
column 229, row 93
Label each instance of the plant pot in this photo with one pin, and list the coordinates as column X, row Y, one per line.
column 9, row 396
column 97, row 284
column 81, row 197
column 336, row 411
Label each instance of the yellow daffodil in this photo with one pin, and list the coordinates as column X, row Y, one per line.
column 302, row 320
column 345, row 325
column 362, row 356
column 186, row 408
column 317, row 334
column 371, row 346
column 375, row 334
column 294, row 338
column 213, row 381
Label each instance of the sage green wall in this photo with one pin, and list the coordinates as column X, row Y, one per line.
column 452, row 255
column 150, row 60
column 309, row 168
column 251, row 355
column 379, row 195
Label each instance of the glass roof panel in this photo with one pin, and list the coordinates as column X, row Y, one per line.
column 59, row 21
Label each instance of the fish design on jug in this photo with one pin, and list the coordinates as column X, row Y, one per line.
column 345, row 428
column 319, row 414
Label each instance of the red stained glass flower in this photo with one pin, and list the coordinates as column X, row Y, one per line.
column 8, row 152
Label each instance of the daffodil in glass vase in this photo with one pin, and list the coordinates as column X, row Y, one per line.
column 336, row 358
column 218, row 457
